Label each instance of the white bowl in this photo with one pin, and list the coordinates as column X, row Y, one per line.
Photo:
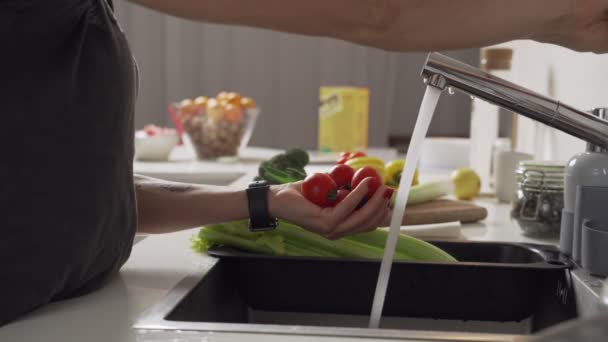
column 154, row 148
column 445, row 153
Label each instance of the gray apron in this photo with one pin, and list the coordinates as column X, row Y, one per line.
column 67, row 202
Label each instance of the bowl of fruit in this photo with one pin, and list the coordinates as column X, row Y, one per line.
column 154, row 143
column 216, row 126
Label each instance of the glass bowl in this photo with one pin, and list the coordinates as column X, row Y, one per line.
column 215, row 136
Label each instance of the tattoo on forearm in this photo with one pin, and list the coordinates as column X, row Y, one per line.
column 174, row 187
column 147, row 183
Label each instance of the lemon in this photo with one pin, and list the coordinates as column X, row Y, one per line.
column 467, row 183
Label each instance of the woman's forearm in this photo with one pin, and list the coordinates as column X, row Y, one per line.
column 402, row 25
column 446, row 25
column 167, row 206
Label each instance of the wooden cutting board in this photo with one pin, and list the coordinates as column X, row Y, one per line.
column 444, row 210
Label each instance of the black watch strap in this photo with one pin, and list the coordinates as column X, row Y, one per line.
column 259, row 215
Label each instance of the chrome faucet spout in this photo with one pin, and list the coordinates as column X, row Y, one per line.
column 442, row 72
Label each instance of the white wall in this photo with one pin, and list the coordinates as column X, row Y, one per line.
column 580, row 80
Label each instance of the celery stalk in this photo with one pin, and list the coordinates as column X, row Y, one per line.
column 218, row 237
column 341, row 247
column 412, row 248
column 292, row 240
column 308, row 249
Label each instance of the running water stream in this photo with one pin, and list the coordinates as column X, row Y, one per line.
column 425, row 115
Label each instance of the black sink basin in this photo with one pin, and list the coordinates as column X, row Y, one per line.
column 495, row 289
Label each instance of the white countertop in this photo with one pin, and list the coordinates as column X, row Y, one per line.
column 159, row 262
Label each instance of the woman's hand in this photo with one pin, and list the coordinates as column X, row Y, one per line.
column 584, row 29
column 287, row 202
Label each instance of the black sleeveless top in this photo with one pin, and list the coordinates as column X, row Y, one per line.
column 67, row 203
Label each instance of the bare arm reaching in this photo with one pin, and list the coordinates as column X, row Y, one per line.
column 168, row 206
column 413, row 25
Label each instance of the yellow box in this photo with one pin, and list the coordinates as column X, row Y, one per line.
column 343, row 119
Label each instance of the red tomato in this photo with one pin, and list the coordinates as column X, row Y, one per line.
column 367, row 172
column 389, row 193
column 358, row 154
column 342, row 175
column 344, row 157
column 320, row 189
column 342, row 160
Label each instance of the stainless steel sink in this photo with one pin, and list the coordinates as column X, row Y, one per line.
column 245, row 295
column 193, row 308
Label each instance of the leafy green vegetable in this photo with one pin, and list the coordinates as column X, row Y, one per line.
column 281, row 162
column 291, row 240
column 284, row 168
column 298, row 157
column 277, row 176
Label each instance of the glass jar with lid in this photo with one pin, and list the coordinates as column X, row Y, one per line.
column 539, row 199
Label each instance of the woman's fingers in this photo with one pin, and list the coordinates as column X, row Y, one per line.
column 376, row 222
column 351, row 202
column 381, row 220
column 364, row 218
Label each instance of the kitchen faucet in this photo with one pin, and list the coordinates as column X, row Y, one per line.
column 444, row 72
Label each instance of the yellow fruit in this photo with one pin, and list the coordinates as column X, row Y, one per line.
column 366, row 161
column 248, row 103
column 394, row 169
column 467, row 184
column 185, row 102
column 215, row 110
column 187, row 107
column 233, row 113
column 201, row 102
column 234, row 99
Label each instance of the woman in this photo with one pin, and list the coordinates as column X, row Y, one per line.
column 69, row 200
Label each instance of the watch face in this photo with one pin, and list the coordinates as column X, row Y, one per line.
column 258, row 184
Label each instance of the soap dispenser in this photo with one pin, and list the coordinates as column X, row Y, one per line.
column 586, row 169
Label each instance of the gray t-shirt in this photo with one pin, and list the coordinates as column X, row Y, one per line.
column 67, row 201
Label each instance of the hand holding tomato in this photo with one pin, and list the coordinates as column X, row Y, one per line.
column 320, row 189
column 287, row 202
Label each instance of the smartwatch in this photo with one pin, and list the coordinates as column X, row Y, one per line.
column 259, row 216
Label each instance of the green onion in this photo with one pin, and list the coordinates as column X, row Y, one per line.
column 426, row 192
